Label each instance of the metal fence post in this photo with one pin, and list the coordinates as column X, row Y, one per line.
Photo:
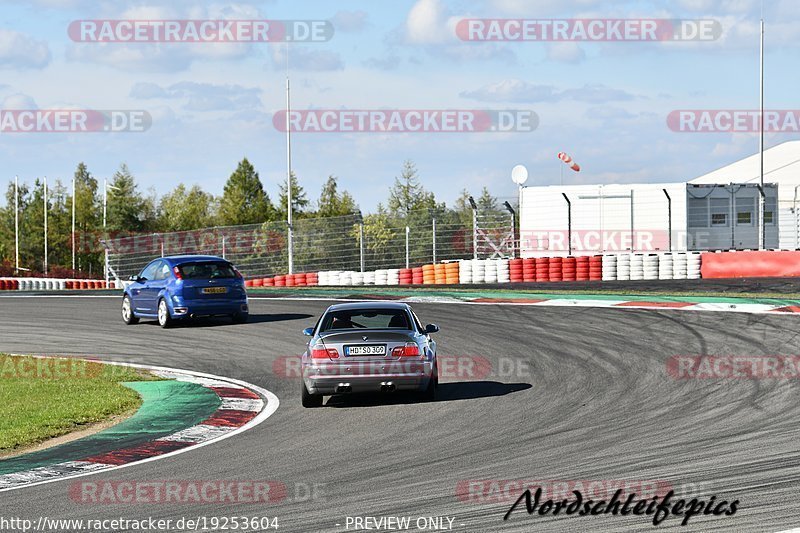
column 669, row 218
column 433, row 219
column 408, row 231
column 474, row 227
column 361, row 244
column 223, row 246
column 514, row 239
column 569, row 222
column 633, row 248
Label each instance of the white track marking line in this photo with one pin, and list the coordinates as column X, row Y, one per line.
column 271, row 406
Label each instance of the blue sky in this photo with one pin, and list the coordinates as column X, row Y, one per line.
column 604, row 103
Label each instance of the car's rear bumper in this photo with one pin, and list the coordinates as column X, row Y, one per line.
column 327, row 378
column 194, row 308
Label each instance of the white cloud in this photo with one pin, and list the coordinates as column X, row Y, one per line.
column 19, row 101
column 349, row 21
column 18, row 50
column 518, row 91
column 202, row 96
column 305, row 58
column 565, row 52
column 427, row 23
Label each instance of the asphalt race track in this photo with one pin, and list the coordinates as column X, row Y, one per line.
column 589, row 399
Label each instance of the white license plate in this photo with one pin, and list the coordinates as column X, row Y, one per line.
column 215, row 290
column 373, row 349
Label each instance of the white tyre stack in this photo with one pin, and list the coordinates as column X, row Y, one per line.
column 491, row 271
column 465, row 271
column 666, row 266
column 324, row 277
column 381, row 277
column 478, row 271
column 693, row 265
column 345, row 278
column 369, row 278
column 393, row 276
column 637, row 267
column 609, row 267
column 650, row 266
column 357, row 278
column 334, row 277
column 679, row 265
column 503, row 274
column 624, row 267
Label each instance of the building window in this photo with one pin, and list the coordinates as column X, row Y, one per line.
column 697, row 213
column 720, row 208
column 745, row 209
column 770, row 205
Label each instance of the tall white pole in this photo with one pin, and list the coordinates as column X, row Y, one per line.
column 105, row 233
column 73, row 223
column 105, row 201
column 16, row 224
column 762, row 234
column 45, row 226
column 289, row 169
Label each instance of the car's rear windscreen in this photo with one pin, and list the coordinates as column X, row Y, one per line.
column 207, row 270
column 366, row 319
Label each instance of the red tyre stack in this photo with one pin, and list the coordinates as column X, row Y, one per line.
column 258, row 282
column 3, row 285
column 568, row 268
column 554, row 269
column 15, row 285
column 300, row 280
column 406, row 276
column 582, row 268
column 289, row 280
column 84, row 285
column 247, row 283
column 280, row 281
column 529, row 269
column 543, row 269
column 269, row 282
column 417, row 277
column 596, row 268
column 312, row 279
column 515, row 270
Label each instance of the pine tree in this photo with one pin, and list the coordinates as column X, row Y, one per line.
column 244, row 200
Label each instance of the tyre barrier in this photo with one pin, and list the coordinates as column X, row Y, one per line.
column 52, row 284
column 607, row 267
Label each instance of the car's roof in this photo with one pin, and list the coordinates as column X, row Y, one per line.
column 176, row 259
column 381, row 304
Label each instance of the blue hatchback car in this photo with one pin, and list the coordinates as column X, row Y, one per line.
column 186, row 286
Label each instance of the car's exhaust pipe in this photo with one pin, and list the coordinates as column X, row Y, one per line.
column 387, row 387
column 343, row 388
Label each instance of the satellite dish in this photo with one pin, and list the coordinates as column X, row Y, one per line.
column 519, row 174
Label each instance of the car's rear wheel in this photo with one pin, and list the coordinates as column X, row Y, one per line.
column 429, row 394
column 311, row 400
column 164, row 320
column 127, row 311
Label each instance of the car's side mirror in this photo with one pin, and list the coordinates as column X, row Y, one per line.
column 431, row 328
column 136, row 279
column 308, row 331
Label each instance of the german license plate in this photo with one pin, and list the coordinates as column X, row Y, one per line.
column 372, row 349
column 215, row 290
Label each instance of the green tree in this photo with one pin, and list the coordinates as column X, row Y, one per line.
column 407, row 194
column 88, row 212
column 332, row 203
column 244, row 200
column 127, row 209
column 183, row 209
column 299, row 199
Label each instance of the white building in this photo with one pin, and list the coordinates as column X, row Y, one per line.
column 717, row 211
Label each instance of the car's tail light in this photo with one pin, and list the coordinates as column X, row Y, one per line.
column 318, row 351
column 177, row 272
column 409, row 350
